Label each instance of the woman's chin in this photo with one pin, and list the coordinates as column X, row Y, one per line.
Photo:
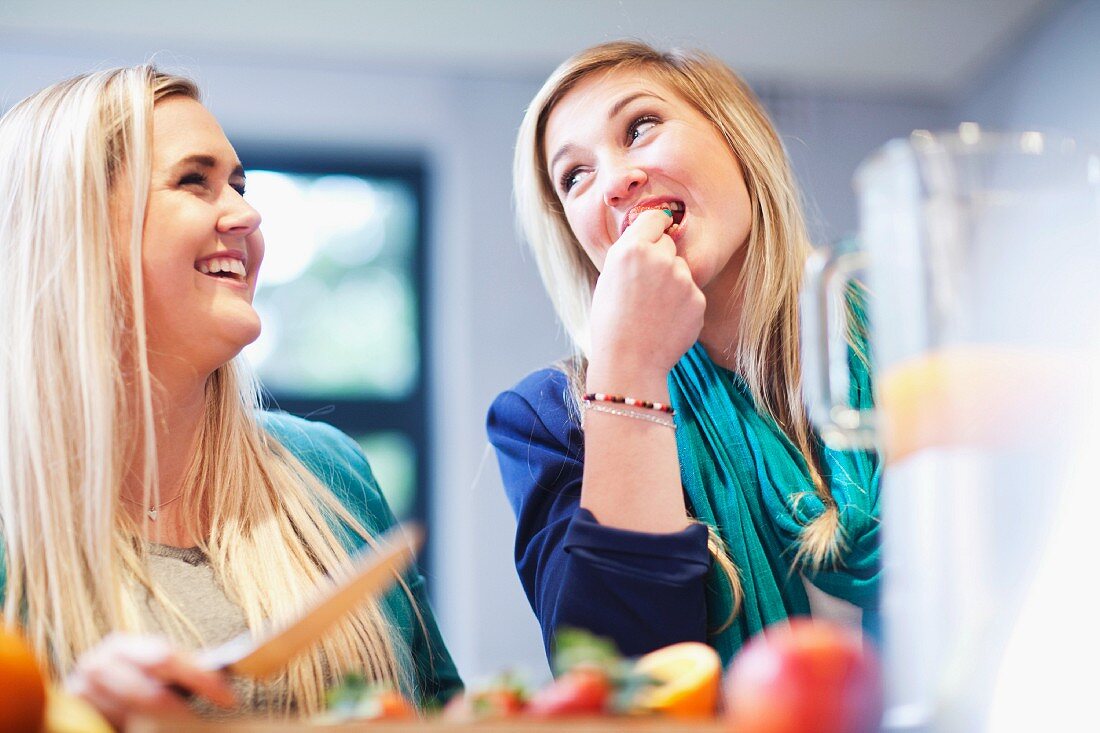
column 243, row 335
column 225, row 346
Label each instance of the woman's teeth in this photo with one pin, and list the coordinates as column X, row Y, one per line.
column 222, row 267
column 676, row 209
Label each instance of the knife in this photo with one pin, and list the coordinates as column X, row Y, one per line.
column 370, row 573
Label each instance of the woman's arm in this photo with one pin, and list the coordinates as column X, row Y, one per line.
column 646, row 313
column 644, row 590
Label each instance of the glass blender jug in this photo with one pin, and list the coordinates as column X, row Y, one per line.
column 979, row 255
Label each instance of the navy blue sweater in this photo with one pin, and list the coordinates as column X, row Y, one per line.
column 642, row 590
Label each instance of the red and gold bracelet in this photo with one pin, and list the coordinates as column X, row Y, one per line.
column 631, row 401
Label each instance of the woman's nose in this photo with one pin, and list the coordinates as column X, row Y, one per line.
column 238, row 218
column 622, row 182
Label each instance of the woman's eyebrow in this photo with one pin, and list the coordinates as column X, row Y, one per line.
column 562, row 152
column 209, row 161
column 618, row 106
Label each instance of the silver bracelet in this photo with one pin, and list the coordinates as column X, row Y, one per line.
column 665, row 422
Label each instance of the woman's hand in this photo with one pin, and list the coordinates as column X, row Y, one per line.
column 646, row 309
column 128, row 674
column 646, row 312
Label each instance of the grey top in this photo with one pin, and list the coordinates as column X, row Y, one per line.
column 184, row 576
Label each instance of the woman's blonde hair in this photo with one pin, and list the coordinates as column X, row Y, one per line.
column 767, row 348
column 77, row 406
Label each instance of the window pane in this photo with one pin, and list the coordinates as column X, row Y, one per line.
column 337, row 292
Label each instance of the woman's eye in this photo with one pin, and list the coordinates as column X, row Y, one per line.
column 193, row 179
column 237, row 186
column 641, row 126
column 571, row 178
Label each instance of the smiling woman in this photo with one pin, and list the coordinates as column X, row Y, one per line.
column 665, row 479
column 202, row 246
column 147, row 507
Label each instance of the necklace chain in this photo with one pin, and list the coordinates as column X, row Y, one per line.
column 152, row 511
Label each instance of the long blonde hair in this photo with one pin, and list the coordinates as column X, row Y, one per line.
column 767, row 348
column 77, row 396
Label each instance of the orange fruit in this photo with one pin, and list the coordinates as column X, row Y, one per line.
column 23, row 702
column 688, row 677
column 393, row 706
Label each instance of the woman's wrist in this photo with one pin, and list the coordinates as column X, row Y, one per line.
column 643, row 382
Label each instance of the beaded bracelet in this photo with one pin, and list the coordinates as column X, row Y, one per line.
column 665, row 422
column 631, row 401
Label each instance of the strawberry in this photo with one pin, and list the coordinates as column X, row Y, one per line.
column 583, row 690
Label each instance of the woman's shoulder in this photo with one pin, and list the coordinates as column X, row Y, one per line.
column 541, row 400
column 290, row 429
column 547, row 384
column 316, row 444
column 335, row 459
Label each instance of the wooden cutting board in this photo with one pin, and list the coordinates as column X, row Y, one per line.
column 576, row 725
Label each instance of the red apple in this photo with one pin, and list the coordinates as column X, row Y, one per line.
column 805, row 677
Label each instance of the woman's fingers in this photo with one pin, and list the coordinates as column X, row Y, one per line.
column 181, row 669
column 665, row 244
column 646, row 309
column 649, row 226
column 129, row 673
column 158, row 659
column 123, row 690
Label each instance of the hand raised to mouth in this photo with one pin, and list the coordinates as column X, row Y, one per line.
column 673, row 208
column 646, row 308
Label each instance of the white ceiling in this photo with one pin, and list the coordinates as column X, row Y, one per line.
column 923, row 48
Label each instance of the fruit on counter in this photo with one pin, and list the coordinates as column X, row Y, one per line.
column 392, row 705
column 589, row 675
column 504, row 697
column 67, row 713
column 578, row 648
column 592, row 679
column 23, row 701
column 804, row 677
column 583, row 690
column 356, row 699
column 686, row 680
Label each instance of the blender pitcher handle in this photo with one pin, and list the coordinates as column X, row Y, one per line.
column 825, row 372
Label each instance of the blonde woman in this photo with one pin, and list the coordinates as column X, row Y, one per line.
column 146, row 507
column 666, row 482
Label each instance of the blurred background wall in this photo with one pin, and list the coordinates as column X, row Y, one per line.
column 443, row 85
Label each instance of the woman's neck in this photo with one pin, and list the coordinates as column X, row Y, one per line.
column 722, row 318
column 178, row 414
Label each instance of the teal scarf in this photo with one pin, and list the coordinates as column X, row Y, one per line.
column 745, row 478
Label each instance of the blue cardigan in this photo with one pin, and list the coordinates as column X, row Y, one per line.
column 338, row 462
column 642, row 590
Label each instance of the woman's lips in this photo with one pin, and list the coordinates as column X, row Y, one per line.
column 229, row 267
